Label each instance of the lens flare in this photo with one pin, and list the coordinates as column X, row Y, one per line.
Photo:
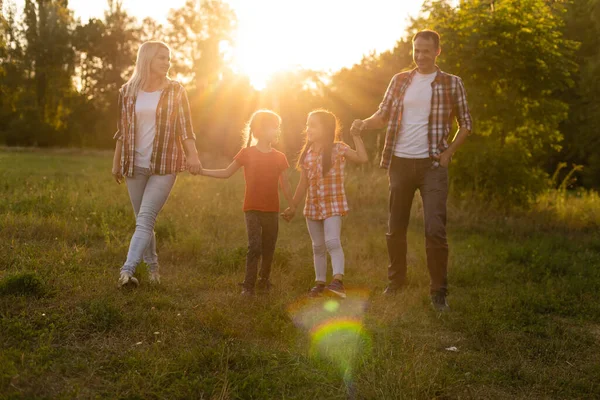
column 335, row 328
column 331, row 306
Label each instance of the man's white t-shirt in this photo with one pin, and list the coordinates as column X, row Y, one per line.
column 412, row 141
column 145, row 126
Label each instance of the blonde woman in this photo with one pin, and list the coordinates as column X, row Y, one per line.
column 155, row 141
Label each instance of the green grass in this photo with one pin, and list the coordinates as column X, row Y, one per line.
column 524, row 295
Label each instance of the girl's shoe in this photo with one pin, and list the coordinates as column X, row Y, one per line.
column 128, row 280
column 317, row 290
column 337, row 288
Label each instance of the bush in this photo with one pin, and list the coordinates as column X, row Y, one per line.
column 22, row 284
column 503, row 176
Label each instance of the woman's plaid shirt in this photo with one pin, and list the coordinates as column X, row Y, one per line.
column 448, row 102
column 173, row 126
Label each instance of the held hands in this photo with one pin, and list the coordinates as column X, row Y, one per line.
column 288, row 214
column 194, row 166
column 357, row 127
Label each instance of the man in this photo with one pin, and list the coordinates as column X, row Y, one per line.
column 419, row 107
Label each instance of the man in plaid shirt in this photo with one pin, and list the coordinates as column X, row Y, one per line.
column 419, row 108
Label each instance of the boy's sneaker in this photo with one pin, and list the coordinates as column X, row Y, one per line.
column 317, row 290
column 439, row 303
column 263, row 286
column 128, row 280
column 337, row 288
column 154, row 278
column 246, row 292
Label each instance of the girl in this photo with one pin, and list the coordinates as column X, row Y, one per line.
column 322, row 163
column 264, row 168
column 154, row 137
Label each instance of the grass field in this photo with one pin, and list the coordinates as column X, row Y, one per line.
column 524, row 292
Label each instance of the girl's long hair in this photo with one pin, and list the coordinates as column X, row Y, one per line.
column 331, row 129
column 259, row 121
column 141, row 74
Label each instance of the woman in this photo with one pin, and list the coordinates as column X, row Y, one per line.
column 155, row 141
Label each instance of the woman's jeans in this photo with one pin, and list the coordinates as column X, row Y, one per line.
column 148, row 194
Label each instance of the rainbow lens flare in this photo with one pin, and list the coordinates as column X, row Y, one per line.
column 336, row 329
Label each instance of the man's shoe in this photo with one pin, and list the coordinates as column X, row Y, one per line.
column 439, row 302
column 263, row 286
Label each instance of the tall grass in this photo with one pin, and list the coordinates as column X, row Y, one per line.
column 525, row 319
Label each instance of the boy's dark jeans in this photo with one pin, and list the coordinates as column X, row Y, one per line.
column 262, row 230
column 406, row 176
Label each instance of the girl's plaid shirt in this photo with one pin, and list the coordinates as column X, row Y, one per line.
column 325, row 195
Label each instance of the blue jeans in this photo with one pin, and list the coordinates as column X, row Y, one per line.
column 148, row 194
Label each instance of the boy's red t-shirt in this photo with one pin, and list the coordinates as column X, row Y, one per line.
column 262, row 171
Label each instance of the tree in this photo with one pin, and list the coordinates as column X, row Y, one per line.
column 197, row 33
column 106, row 52
column 581, row 129
column 515, row 62
column 38, row 63
column 11, row 69
column 514, row 59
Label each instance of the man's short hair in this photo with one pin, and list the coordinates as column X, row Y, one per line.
column 429, row 35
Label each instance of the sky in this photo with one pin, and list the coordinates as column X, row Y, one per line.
column 276, row 35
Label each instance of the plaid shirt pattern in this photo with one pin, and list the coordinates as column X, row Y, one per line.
column 173, row 126
column 448, row 102
column 325, row 194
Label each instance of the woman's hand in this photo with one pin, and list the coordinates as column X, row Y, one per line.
column 194, row 166
column 118, row 175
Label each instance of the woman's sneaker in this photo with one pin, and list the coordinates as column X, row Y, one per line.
column 128, row 280
column 337, row 288
column 317, row 290
column 154, row 278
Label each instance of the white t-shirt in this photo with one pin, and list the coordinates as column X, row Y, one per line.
column 145, row 126
column 412, row 141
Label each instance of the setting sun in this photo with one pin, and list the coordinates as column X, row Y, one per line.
column 312, row 34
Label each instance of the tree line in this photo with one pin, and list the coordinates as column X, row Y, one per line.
column 531, row 69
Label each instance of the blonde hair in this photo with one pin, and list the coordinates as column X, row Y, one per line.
column 260, row 120
column 141, row 74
